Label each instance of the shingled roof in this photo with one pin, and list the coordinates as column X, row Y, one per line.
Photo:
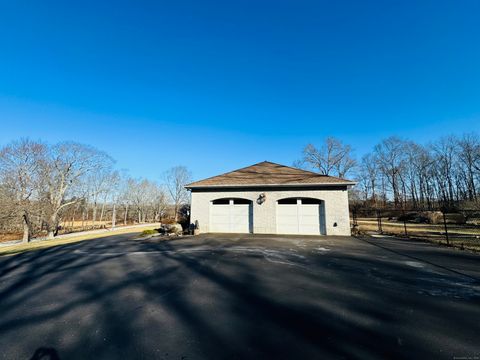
column 268, row 174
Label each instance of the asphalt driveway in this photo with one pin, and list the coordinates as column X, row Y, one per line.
column 231, row 297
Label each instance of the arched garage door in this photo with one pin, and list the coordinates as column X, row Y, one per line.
column 231, row 216
column 301, row 216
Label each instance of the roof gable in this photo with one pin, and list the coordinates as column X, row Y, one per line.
column 269, row 174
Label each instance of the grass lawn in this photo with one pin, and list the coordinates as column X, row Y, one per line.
column 43, row 244
column 465, row 237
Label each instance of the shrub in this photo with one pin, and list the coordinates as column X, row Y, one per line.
column 409, row 217
column 455, row 218
column 168, row 221
column 174, row 228
column 436, row 217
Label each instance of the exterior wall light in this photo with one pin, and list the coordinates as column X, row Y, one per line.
column 261, row 199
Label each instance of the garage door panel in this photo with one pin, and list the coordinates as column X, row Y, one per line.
column 239, row 219
column 303, row 231
column 221, row 215
column 287, row 210
column 220, row 223
column 231, row 218
column 309, row 229
column 221, row 218
column 240, row 228
column 219, row 210
column 311, row 210
column 287, row 221
column 299, row 219
column 313, row 213
column 309, row 219
column 240, row 210
column 287, row 229
column 240, row 222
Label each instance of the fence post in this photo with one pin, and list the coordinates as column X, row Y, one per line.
column 405, row 223
column 379, row 221
column 446, row 228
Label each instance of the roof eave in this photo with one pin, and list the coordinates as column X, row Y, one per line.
column 347, row 183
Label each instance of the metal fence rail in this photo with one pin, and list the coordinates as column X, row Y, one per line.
column 454, row 228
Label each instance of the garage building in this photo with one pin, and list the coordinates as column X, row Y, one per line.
column 268, row 198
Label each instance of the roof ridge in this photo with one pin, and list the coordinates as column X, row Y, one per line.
column 304, row 170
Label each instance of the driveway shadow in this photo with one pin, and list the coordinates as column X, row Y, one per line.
column 45, row 353
column 205, row 298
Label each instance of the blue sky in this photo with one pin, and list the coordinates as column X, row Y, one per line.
column 217, row 85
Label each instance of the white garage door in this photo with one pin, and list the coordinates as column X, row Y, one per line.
column 231, row 216
column 300, row 216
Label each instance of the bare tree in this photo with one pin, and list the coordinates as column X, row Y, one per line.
column 98, row 183
column 137, row 196
column 390, row 158
column 146, row 198
column 8, row 210
column 65, row 167
column 176, row 178
column 333, row 158
column 158, row 202
column 42, row 186
column 115, row 193
column 109, row 193
column 124, row 197
column 444, row 152
column 445, row 173
column 469, row 156
column 19, row 175
column 368, row 176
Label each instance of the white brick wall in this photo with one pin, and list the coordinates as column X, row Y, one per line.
column 264, row 215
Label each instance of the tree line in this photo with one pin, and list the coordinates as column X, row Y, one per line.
column 404, row 174
column 44, row 185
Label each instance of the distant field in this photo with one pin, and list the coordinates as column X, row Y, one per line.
column 10, row 236
column 66, row 228
column 78, row 225
column 462, row 236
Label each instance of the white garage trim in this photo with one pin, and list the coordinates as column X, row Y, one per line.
column 231, row 216
column 300, row 216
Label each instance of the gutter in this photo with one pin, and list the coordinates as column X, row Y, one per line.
column 235, row 186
